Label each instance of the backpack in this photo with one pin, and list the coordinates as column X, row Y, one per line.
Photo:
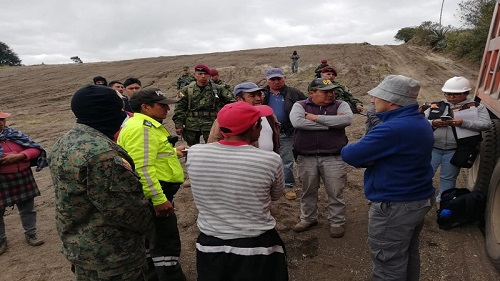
column 460, row 206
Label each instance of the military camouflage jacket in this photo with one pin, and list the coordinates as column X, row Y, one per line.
column 197, row 110
column 101, row 212
column 343, row 93
column 223, row 84
column 184, row 80
column 318, row 69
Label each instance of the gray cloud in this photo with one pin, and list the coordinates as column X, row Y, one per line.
column 51, row 31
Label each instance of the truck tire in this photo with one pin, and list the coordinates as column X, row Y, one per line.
column 478, row 176
column 492, row 217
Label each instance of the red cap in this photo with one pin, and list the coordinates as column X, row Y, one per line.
column 329, row 69
column 237, row 117
column 323, row 61
column 202, row 68
column 4, row 115
column 214, row 72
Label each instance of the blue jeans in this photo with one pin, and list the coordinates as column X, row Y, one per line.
column 286, row 153
column 449, row 172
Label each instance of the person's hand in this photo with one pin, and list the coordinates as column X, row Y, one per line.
column 164, row 209
column 179, row 131
column 311, row 117
column 456, row 122
column 438, row 123
column 12, row 158
column 181, row 150
column 359, row 107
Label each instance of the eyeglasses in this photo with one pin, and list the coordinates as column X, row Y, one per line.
column 453, row 94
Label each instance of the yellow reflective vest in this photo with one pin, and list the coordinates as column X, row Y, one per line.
column 155, row 159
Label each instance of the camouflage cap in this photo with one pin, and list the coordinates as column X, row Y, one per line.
column 185, row 68
column 150, row 95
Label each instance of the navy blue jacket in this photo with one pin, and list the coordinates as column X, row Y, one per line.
column 397, row 154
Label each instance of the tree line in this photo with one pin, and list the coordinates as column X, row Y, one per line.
column 467, row 42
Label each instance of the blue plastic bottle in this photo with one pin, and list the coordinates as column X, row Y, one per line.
column 445, row 213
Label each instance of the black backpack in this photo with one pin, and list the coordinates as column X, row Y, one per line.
column 459, row 206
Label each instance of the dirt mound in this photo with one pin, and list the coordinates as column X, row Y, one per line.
column 39, row 98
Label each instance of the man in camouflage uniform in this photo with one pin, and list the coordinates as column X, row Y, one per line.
column 341, row 91
column 214, row 74
column 185, row 79
column 317, row 71
column 197, row 109
column 101, row 212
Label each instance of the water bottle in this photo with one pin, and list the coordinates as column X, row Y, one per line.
column 445, row 214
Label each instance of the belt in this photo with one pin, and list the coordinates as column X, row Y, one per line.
column 202, row 114
column 321, row 154
column 445, row 149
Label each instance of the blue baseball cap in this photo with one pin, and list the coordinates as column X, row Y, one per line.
column 246, row 87
column 275, row 72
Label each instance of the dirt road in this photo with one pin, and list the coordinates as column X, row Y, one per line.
column 38, row 97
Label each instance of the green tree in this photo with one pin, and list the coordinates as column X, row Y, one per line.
column 7, row 56
column 405, row 34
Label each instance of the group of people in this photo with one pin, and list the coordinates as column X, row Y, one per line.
column 115, row 211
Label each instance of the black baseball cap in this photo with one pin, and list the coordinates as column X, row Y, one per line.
column 321, row 84
column 150, row 95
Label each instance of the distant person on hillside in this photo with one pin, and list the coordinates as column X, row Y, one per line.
column 318, row 69
column 295, row 62
column 214, row 74
column 17, row 184
column 185, row 79
column 341, row 91
column 99, row 80
column 233, row 184
column 281, row 98
column 197, row 109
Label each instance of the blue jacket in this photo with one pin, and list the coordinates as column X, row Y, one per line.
column 397, row 154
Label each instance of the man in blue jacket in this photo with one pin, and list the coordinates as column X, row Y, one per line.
column 398, row 178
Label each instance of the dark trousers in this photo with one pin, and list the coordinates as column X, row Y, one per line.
column 193, row 137
column 164, row 241
column 261, row 258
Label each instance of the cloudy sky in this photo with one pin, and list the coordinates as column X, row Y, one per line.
column 52, row 31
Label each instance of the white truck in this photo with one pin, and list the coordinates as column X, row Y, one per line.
column 485, row 173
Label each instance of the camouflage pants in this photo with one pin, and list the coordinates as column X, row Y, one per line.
column 136, row 274
column 193, row 137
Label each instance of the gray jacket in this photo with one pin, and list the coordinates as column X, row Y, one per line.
column 444, row 138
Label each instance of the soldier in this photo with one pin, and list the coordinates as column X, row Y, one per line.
column 214, row 74
column 318, row 69
column 295, row 62
column 101, row 213
column 341, row 91
column 196, row 111
column 148, row 143
column 185, row 79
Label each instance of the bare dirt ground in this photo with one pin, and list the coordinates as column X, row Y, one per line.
column 39, row 99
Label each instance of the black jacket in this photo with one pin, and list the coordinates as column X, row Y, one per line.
column 291, row 95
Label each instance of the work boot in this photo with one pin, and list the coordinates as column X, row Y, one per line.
column 3, row 246
column 32, row 240
column 337, row 231
column 290, row 194
column 304, row 225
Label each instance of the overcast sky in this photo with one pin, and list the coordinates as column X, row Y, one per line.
column 52, row 31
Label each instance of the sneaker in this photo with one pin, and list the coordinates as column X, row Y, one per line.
column 304, row 225
column 32, row 240
column 337, row 231
column 3, row 246
column 290, row 194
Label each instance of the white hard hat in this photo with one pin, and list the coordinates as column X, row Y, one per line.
column 456, row 84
